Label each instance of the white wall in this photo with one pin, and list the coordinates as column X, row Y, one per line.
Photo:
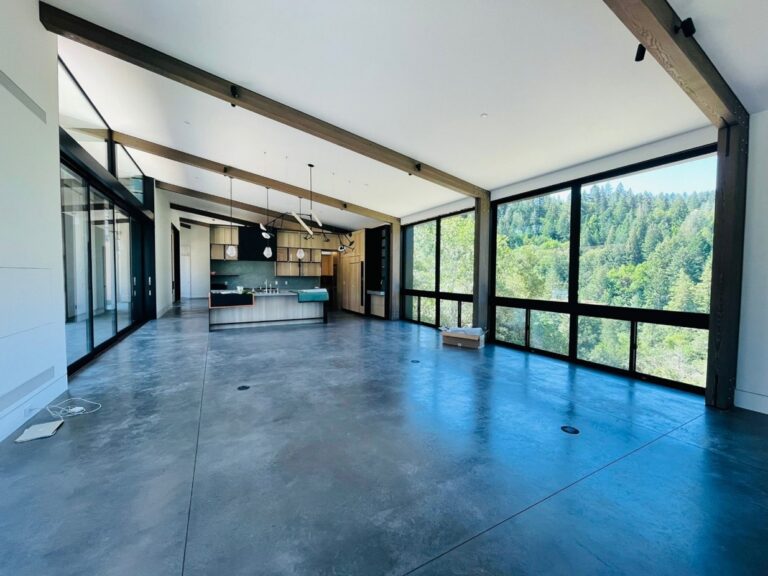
column 752, row 375
column 164, row 217
column 196, row 242
column 33, row 365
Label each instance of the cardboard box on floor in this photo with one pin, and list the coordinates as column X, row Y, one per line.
column 464, row 337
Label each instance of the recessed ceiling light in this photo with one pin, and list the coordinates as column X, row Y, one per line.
column 484, row 115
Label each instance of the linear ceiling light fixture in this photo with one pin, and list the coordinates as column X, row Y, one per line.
column 264, row 232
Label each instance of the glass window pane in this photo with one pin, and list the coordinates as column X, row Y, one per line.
column 549, row 331
column 420, row 256
column 604, row 341
column 646, row 238
column 457, row 253
column 102, row 268
column 129, row 173
column 467, row 308
column 428, row 312
column 123, row 270
column 80, row 120
column 674, row 353
column 74, row 221
column 510, row 325
column 449, row 313
column 532, row 244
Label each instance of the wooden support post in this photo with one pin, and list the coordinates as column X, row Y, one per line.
column 727, row 265
column 482, row 272
column 395, row 268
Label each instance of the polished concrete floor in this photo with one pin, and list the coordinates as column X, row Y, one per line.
column 364, row 447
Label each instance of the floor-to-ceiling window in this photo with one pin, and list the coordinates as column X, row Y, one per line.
column 74, row 223
column 102, row 268
column 123, row 276
column 106, row 270
column 614, row 271
column 438, row 270
column 98, row 266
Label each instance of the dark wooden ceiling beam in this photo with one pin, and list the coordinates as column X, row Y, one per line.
column 656, row 25
column 246, row 176
column 191, row 222
column 244, row 206
column 85, row 32
column 653, row 23
column 224, row 218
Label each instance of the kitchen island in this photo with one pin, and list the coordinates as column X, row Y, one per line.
column 232, row 309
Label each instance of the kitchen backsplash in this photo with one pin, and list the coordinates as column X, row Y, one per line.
column 253, row 274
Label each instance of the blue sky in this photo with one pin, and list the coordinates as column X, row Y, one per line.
column 699, row 175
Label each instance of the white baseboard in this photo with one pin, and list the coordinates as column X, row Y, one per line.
column 27, row 407
column 751, row 401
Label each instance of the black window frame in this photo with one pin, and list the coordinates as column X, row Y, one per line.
column 437, row 294
column 572, row 306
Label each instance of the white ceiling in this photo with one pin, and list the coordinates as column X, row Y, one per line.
column 556, row 78
column 733, row 34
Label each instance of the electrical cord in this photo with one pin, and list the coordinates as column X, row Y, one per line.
column 72, row 407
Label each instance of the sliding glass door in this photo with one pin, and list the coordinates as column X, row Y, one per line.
column 74, row 224
column 123, row 274
column 99, row 266
column 102, row 269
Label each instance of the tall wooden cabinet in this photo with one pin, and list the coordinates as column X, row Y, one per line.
column 352, row 275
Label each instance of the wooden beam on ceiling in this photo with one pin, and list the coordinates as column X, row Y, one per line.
column 191, row 222
column 246, row 176
column 657, row 27
column 223, row 217
column 244, row 206
column 80, row 30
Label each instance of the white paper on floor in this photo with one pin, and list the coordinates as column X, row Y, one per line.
column 44, row 430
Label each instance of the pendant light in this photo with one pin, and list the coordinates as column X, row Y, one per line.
column 311, row 211
column 300, row 251
column 231, row 250
column 265, row 234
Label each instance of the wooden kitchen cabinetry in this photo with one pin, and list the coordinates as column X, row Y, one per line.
column 352, row 277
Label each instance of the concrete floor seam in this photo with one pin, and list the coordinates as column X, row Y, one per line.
column 194, row 462
column 550, row 496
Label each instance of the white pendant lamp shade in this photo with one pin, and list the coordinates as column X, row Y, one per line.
column 267, row 252
column 300, row 253
column 231, row 251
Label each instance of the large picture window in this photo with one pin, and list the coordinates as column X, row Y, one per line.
column 532, row 244
column 438, row 270
column 646, row 238
column 633, row 291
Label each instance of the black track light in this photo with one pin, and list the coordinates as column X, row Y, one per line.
column 234, row 92
column 640, row 54
column 687, row 28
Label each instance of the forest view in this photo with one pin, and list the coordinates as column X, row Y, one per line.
column 638, row 248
